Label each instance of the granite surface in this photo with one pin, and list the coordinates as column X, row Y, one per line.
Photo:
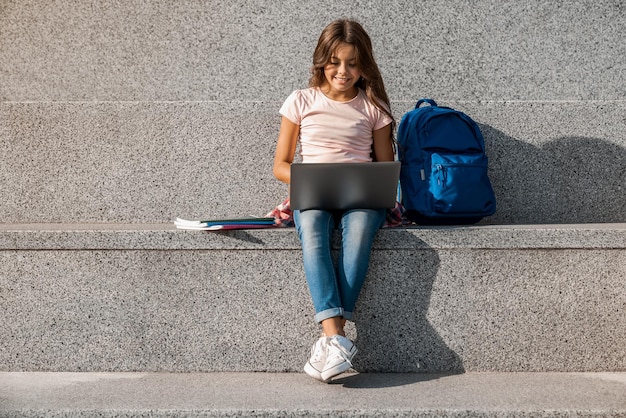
column 261, row 50
column 143, row 111
column 556, row 162
column 486, row 395
column 166, row 237
column 116, row 117
column 426, row 310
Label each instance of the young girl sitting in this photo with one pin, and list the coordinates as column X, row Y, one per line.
column 344, row 116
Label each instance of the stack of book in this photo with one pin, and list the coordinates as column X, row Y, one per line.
column 225, row 224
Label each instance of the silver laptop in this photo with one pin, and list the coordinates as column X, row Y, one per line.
column 344, row 185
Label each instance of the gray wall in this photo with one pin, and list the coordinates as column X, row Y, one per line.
column 146, row 110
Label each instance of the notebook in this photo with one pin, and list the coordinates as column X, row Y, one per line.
column 344, row 185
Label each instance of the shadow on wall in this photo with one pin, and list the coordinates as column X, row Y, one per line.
column 393, row 331
column 567, row 180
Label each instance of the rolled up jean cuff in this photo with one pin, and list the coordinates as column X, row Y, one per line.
column 329, row 313
column 348, row 315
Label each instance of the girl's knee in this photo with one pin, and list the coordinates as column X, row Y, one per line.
column 313, row 222
column 364, row 220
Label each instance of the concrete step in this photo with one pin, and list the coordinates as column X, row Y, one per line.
column 153, row 298
column 135, row 113
column 550, row 162
column 295, row 394
column 138, row 112
column 261, row 50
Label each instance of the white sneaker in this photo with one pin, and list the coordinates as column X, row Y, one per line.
column 316, row 363
column 339, row 354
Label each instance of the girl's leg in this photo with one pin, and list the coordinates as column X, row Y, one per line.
column 358, row 230
column 333, row 326
column 315, row 229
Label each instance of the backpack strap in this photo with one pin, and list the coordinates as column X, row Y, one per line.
column 429, row 101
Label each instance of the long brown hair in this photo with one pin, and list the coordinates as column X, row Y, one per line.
column 351, row 32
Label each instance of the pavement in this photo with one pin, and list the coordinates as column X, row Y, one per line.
column 36, row 394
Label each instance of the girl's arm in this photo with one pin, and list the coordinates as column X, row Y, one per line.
column 285, row 149
column 383, row 148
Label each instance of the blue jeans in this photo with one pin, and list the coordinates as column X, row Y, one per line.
column 335, row 290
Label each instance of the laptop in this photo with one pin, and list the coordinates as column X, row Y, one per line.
column 344, row 186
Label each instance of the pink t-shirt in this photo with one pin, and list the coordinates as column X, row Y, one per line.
column 331, row 131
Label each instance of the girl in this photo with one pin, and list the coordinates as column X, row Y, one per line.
column 344, row 116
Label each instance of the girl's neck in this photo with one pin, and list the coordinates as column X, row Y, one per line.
column 339, row 96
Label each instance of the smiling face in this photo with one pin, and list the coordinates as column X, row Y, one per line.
column 342, row 74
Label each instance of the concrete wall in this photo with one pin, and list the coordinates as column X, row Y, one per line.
column 140, row 111
column 134, row 112
column 190, row 50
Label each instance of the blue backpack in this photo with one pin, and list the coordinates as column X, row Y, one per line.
column 443, row 178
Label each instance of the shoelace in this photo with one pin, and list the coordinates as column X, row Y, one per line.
column 335, row 350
